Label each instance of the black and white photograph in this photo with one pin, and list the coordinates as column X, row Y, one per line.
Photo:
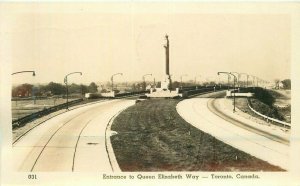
column 149, row 93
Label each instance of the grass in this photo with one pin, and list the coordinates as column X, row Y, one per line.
column 153, row 137
column 271, row 110
column 23, row 108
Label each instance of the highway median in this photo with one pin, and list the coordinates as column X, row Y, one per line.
column 152, row 136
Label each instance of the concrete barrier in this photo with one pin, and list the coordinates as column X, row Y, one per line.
column 229, row 93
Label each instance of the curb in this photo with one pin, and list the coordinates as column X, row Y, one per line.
column 109, row 149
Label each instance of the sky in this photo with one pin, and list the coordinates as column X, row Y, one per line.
column 100, row 43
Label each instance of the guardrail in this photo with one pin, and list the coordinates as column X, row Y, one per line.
column 28, row 118
column 202, row 90
column 284, row 124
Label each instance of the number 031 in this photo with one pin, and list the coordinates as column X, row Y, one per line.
column 32, row 176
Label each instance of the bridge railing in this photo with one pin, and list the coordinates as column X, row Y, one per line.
column 21, row 121
column 202, row 90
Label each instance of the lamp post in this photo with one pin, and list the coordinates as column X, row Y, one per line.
column 257, row 80
column 181, row 80
column 228, row 82
column 66, row 82
column 253, row 80
column 26, row 71
column 30, row 71
column 238, row 79
column 235, row 79
column 112, row 80
column 144, row 80
column 229, row 73
column 246, row 76
column 196, row 79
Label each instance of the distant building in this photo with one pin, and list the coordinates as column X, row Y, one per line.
column 280, row 85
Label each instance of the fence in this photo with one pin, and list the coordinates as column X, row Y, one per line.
column 282, row 123
column 26, row 119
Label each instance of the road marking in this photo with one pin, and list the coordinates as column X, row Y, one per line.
column 77, row 144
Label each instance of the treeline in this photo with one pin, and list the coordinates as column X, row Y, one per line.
column 52, row 88
column 286, row 84
column 263, row 102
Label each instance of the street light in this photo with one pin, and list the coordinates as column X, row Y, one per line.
column 181, row 79
column 247, row 78
column 66, row 82
column 144, row 80
column 31, row 71
column 257, row 80
column 235, row 79
column 26, row 71
column 253, row 80
column 238, row 79
column 196, row 79
column 112, row 80
column 230, row 73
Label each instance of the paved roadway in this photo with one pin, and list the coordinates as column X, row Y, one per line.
column 261, row 143
column 73, row 141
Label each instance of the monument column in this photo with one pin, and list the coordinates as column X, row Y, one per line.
column 167, row 55
column 168, row 77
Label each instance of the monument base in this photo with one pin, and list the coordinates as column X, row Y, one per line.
column 163, row 93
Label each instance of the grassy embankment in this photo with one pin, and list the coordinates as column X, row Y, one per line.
column 264, row 102
column 153, row 137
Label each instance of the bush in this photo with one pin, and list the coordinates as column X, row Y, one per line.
column 265, row 109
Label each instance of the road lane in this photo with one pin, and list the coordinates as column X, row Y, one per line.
column 196, row 112
column 73, row 141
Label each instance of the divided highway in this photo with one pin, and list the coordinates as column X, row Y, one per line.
column 263, row 144
column 77, row 139
column 73, row 141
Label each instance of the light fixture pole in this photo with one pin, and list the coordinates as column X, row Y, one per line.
column 253, row 80
column 235, row 79
column 26, row 71
column 238, row 79
column 196, row 79
column 230, row 73
column 112, row 80
column 30, row 71
column 240, row 74
column 144, row 80
column 66, row 82
column 181, row 80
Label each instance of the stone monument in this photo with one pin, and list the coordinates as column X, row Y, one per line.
column 166, row 83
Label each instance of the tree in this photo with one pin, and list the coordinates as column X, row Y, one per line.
column 74, row 88
column 276, row 81
column 84, row 89
column 176, row 84
column 55, row 88
column 93, row 88
column 286, row 84
column 23, row 90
